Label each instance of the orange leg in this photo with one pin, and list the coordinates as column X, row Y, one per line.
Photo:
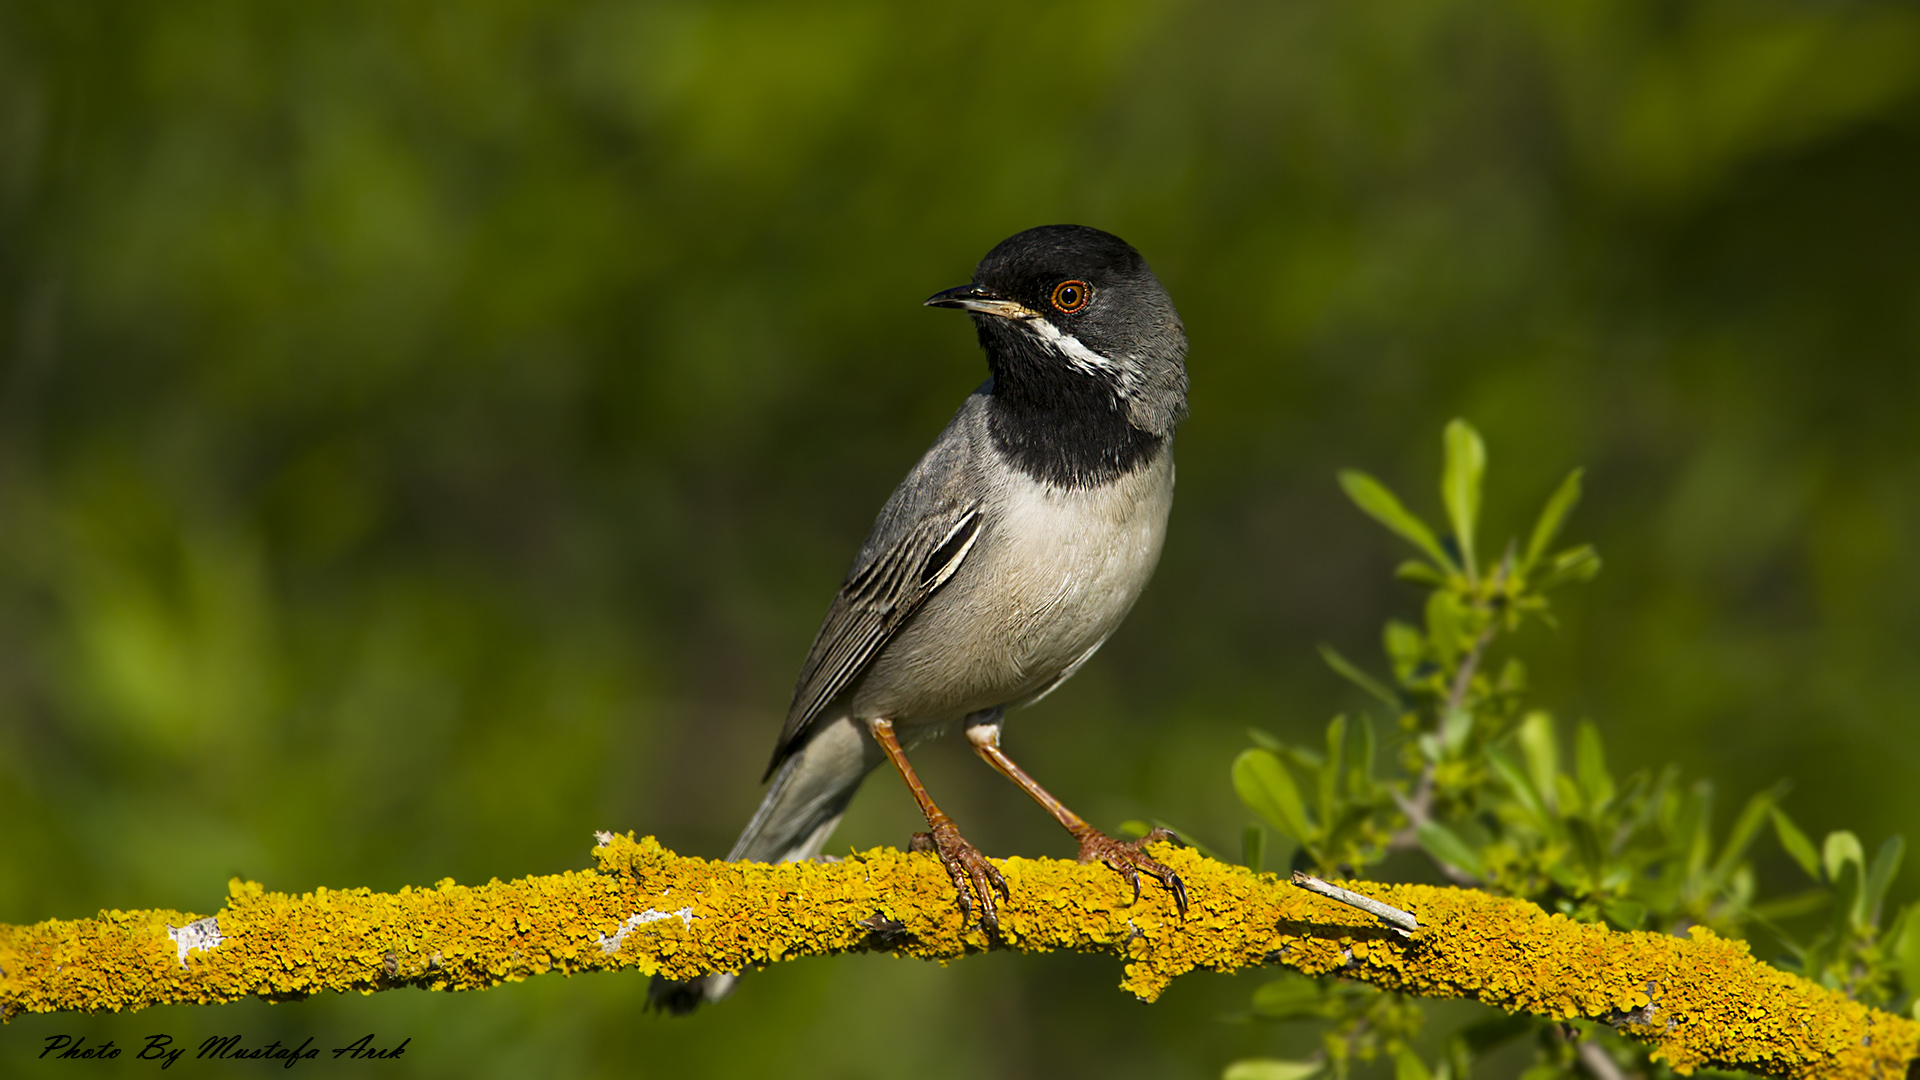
column 971, row 872
column 1129, row 858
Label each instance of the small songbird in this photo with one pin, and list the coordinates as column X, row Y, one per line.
column 1005, row 558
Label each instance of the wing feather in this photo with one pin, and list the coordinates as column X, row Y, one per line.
column 877, row 598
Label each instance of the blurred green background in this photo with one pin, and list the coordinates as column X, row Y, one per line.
column 430, row 431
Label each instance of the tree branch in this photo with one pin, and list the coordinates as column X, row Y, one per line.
column 1699, row 1002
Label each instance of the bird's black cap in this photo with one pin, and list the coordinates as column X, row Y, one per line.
column 1026, row 267
column 1050, row 253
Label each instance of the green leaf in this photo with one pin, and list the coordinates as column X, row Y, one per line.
column 1346, row 669
column 1593, row 858
column 1360, row 775
column 1626, row 914
column 1253, row 847
column 1649, row 800
column 1408, row 1066
column 1693, row 827
column 1590, row 765
column 1792, row 907
column 1745, row 828
column 1796, row 843
column 1446, row 628
column 1905, row 950
column 1446, row 847
column 1460, row 487
column 1271, row 1069
column 1848, row 888
column 1568, row 796
column 1513, row 677
column 1559, row 505
column 1302, row 758
column 1542, row 751
column 1430, row 748
column 1373, row 498
column 1264, row 784
column 1886, row 863
column 1420, row 573
column 1290, row 998
column 1330, row 772
column 1577, row 564
column 1406, row 648
column 1841, row 848
column 1496, row 1030
column 1266, row 740
column 1516, row 779
column 1455, row 726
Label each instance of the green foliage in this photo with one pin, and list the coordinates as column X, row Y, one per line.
column 1487, row 792
column 1340, row 826
column 1362, row 1024
column 1858, row 950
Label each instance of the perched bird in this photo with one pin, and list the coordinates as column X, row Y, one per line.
column 1005, row 558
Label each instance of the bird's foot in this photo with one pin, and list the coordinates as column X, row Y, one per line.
column 1130, row 858
column 971, row 872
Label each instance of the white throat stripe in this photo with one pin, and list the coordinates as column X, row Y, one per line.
column 1081, row 358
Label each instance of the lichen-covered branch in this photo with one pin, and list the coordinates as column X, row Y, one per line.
column 1701, row 1001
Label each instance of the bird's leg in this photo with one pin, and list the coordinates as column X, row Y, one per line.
column 1129, row 858
column 970, row 870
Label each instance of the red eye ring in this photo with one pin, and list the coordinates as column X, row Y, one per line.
column 1071, row 296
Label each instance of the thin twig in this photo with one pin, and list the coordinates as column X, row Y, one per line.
column 1463, row 679
column 1419, row 811
column 1419, row 806
column 1598, row 1061
column 1402, row 922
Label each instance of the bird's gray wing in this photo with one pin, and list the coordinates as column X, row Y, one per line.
column 922, row 536
column 874, row 602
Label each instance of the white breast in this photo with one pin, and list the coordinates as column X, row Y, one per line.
column 1051, row 577
column 1073, row 563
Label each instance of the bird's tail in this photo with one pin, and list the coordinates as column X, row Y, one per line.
column 808, row 795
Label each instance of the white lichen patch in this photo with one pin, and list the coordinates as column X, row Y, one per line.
column 611, row 945
column 199, row 934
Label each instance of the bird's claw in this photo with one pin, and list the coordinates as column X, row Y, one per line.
column 1130, row 857
column 972, row 874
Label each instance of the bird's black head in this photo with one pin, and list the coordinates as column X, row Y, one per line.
column 1088, row 354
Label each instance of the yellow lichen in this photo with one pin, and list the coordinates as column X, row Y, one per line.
column 1699, row 1002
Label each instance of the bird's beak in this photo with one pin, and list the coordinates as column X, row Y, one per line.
column 984, row 300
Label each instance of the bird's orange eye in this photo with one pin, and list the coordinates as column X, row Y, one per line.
column 1071, row 296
